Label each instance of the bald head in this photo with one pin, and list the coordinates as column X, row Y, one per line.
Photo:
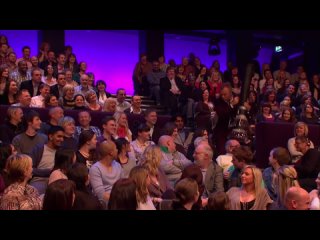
column 297, row 198
column 163, row 140
column 167, row 141
column 108, row 148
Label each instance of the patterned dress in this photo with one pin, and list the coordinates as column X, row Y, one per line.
column 19, row 197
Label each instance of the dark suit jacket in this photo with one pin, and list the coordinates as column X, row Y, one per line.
column 29, row 86
column 156, row 134
column 165, row 84
column 55, row 91
column 308, row 168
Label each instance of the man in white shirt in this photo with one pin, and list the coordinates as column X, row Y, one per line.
column 38, row 101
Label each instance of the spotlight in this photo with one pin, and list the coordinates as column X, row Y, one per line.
column 278, row 49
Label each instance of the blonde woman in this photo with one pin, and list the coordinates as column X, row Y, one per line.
column 93, row 104
column 110, row 105
column 20, row 195
column 287, row 177
column 251, row 195
column 159, row 182
column 67, row 99
column 300, row 129
column 122, row 127
column 141, row 178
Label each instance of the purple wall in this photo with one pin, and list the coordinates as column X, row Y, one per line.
column 176, row 47
column 19, row 38
column 265, row 55
column 110, row 55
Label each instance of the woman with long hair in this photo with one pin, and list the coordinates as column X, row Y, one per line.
column 126, row 162
column 122, row 126
column 102, row 94
column 308, row 114
column 159, row 183
column 72, row 63
column 60, row 195
column 4, row 77
column 287, row 177
column 48, row 77
column 123, row 195
column 85, row 200
column 141, row 177
column 63, row 160
column 251, row 195
column 10, row 93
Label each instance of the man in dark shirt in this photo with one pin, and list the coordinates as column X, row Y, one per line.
column 13, row 126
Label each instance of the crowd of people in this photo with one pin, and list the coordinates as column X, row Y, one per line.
column 190, row 163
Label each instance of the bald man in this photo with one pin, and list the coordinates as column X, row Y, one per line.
column 297, row 198
column 172, row 162
column 104, row 173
